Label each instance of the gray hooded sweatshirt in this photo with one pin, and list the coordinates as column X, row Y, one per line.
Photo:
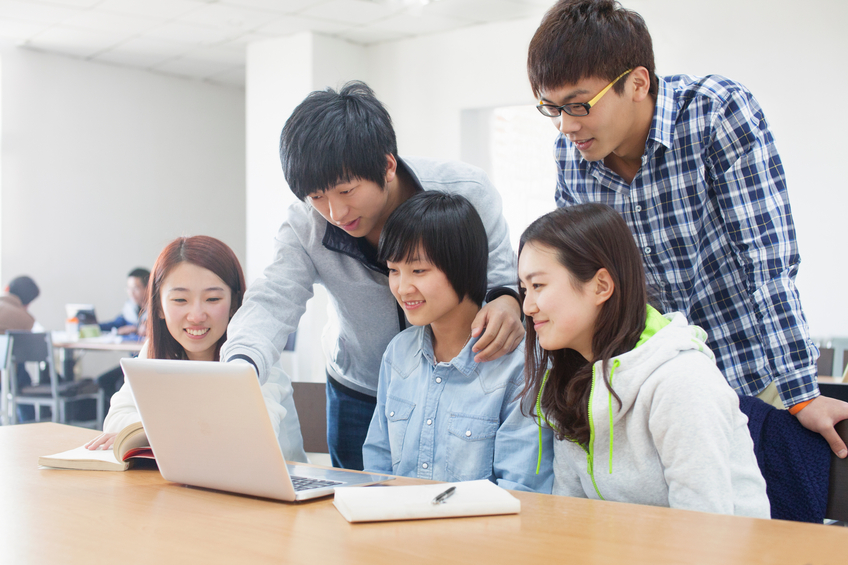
column 677, row 439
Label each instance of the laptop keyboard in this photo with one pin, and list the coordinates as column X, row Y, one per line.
column 307, row 483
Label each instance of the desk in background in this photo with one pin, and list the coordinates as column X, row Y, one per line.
column 104, row 343
column 54, row 516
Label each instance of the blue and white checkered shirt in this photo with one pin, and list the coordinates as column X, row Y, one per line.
column 710, row 211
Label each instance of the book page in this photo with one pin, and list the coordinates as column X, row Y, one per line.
column 82, row 458
column 130, row 438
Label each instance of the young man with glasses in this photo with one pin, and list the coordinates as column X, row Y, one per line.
column 691, row 165
column 339, row 156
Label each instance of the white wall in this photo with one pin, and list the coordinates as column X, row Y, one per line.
column 101, row 166
column 280, row 73
column 792, row 59
column 428, row 81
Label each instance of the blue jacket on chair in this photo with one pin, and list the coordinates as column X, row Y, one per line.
column 795, row 462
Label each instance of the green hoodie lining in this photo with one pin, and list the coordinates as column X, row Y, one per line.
column 654, row 322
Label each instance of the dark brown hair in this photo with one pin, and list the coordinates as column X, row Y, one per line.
column 585, row 238
column 581, row 39
column 203, row 251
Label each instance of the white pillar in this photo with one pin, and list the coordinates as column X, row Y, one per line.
column 280, row 74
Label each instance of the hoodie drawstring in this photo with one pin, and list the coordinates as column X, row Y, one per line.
column 615, row 365
column 541, row 417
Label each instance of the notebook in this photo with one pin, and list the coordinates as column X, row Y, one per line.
column 471, row 498
column 208, row 426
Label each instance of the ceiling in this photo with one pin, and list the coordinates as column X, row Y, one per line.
column 206, row 39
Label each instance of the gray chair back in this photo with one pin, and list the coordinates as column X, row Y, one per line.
column 27, row 347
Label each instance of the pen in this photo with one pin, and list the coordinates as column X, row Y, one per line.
column 442, row 497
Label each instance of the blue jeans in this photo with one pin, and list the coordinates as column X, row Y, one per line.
column 348, row 418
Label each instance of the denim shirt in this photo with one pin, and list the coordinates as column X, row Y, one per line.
column 456, row 421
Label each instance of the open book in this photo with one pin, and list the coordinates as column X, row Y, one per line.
column 472, row 498
column 130, row 445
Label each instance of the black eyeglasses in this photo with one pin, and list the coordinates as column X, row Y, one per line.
column 576, row 108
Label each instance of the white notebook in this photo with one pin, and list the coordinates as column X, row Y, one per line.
column 377, row 504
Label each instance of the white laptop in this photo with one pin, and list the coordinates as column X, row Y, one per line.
column 208, row 426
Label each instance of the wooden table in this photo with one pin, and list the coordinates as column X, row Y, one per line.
column 87, row 517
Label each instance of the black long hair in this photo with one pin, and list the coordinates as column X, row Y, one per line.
column 585, row 239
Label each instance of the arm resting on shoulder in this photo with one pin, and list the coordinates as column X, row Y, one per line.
column 500, row 323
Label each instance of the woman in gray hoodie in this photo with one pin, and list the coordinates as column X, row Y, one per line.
column 639, row 410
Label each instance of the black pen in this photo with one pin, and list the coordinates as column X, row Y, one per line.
column 442, row 497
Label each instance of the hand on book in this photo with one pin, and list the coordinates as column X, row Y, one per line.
column 106, row 452
column 103, row 441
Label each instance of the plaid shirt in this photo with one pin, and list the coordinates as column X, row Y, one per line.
column 710, row 211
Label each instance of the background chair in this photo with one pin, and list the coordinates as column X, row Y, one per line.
column 311, row 402
column 837, row 499
column 805, row 481
column 838, row 391
column 25, row 347
column 4, row 381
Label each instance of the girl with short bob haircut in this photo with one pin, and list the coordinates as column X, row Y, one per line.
column 441, row 415
column 640, row 412
column 196, row 286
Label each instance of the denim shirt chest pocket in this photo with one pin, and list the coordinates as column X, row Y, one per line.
column 398, row 412
column 471, row 447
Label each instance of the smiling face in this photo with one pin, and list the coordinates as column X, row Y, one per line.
column 196, row 306
column 422, row 290
column 358, row 207
column 361, row 207
column 618, row 124
column 563, row 311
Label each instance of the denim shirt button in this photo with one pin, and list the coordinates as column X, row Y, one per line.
column 438, row 379
column 425, row 465
column 392, row 413
column 429, row 422
column 468, row 433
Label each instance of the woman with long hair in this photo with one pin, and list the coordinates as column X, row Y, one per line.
column 639, row 410
column 196, row 286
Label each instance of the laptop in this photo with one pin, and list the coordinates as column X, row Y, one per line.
column 83, row 312
column 86, row 318
column 208, row 427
